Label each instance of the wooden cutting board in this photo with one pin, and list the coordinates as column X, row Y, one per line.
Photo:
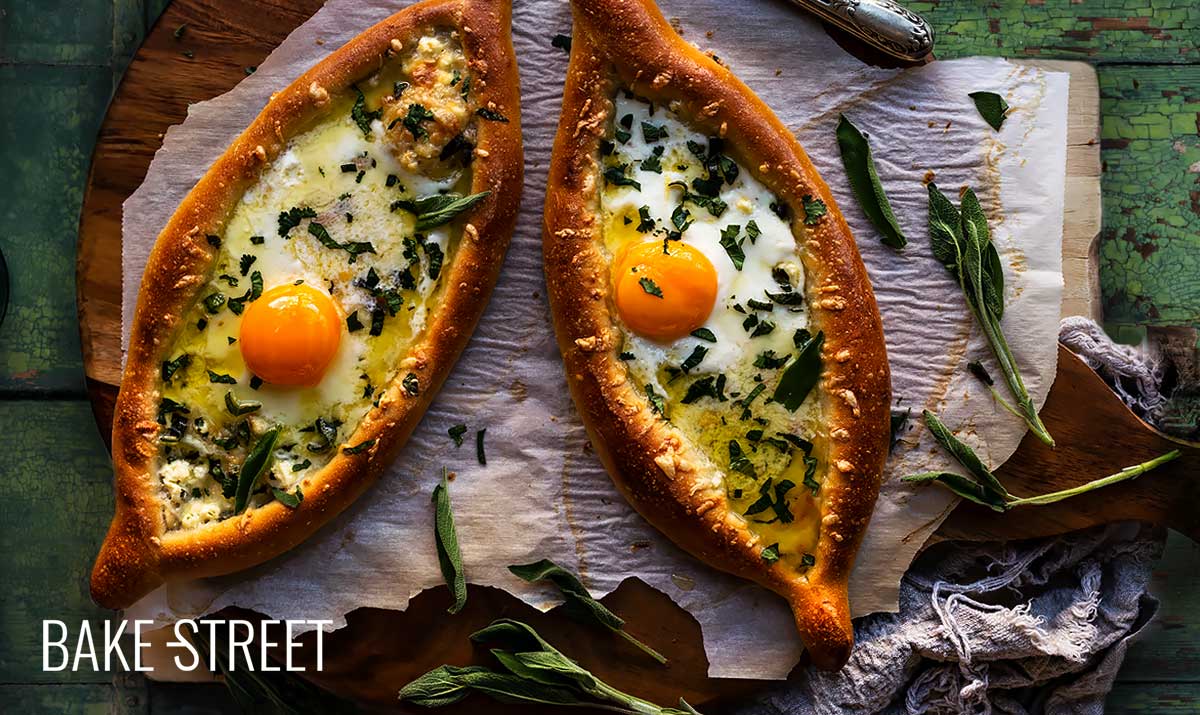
column 382, row 649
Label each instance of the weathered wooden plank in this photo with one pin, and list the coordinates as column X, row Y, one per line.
column 1156, row 699
column 190, row 699
column 1150, row 245
column 48, row 121
column 55, row 505
column 74, row 699
column 1093, row 30
column 56, row 32
column 1169, row 649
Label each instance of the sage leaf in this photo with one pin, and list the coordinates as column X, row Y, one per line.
column 801, row 375
column 964, row 454
column 965, row 487
column 444, row 685
column 449, row 555
column 289, row 499
column 438, row 209
column 579, row 603
column 256, row 462
column 992, row 108
column 864, row 181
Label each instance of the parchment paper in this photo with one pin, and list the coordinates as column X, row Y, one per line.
column 543, row 493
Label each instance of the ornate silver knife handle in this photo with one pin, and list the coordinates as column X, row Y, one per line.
column 884, row 24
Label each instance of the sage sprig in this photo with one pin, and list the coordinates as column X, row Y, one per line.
column 579, row 604
column 983, row 488
column 864, row 181
column 438, row 209
column 449, row 555
column 532, row 672
column 992, row 108
column 963, row 244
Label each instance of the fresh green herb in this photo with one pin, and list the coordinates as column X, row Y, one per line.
column 246, row 261
column 759, row 305
column 438, row 209
column 214, row 302
column 763, row 328
column 256, row 462
column 652, row 133
column 359, row 448
column 774, row 499
column 810, row 474
column 237, row 407
column 808, row 560
column 980, row 372
column 446, row 536
column 615, row 175
column 992, row 108
column 656, row 400
column 963, row 244
column 814, row 209
column 289, row 499
column 220, row 379
column 456, row 433
column 752, row 231
column 801, row 375
column 646, row 224
column 562, row 42
column 579, row 604
column 292, row 217
column 491, row 115
column 170, row 367
column 704, row 387
column 626, row 356
column 653, row 163
column 412, row 386
column 301, row 466
column 704, row 334
column 650, row 287
column 694, row 359
column 480, row 455
column 981, row 489
column 681, row 218
column 789, row 299
column 354, row 248
column 730, row 243
column 767, row 360
column 899, row 423
column 258, row 240
column 738, row 461
column 255, row 382
column 360, row 114
column 533, row 673
column 412, row 121
column 771, row 553
column 353, row 324
column 214, row 241
column 864, row 180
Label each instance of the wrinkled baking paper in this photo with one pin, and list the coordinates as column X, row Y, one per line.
column 543, row 493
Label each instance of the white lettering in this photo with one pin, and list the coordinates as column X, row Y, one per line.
column 60, row 644
column 184, row 642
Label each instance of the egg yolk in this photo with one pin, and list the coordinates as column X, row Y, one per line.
column 290, row 335
column 664, row 293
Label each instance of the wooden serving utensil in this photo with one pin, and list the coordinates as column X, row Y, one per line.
column 1097, row 435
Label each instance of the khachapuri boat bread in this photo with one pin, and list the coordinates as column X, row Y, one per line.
column 720, row 335
column 309, row 296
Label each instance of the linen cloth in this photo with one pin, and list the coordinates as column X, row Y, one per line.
column 1040, row 626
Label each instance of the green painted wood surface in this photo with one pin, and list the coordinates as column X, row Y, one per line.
column 61, row 59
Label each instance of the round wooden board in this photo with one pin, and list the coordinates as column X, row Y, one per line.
column 381, row 650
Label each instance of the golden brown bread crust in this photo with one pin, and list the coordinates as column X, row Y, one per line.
column 629, row 43
column 138, row 554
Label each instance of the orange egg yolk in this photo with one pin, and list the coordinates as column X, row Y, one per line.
column 290, row 335
column 682, row 274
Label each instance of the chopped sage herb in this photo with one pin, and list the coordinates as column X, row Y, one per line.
column 353, row 324
column 214, row 302
column 704, row 334
column 289, row 499
column 491, row 115
column 730, row 243
column 301, row 466
column 650, row 287
column 258, row 240
column 626, row 356
column 411, row 385
column 246, row 261
column 615, row 175
column 292, row 217
column 694, row 359
column 480, row 455
column 354, row 248
column 170, row 367
column 456, row 433
column 562, row 42
column 771, row 553
column 801, row 375
column 360, row 447
column 656, row 400
column 417, row 114
column 814, row 209
column 360, row 115
column 218, row 378
column 238, row 408
column 646, row 223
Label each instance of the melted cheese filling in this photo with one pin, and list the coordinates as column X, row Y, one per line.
column 345, row 173
column 660, row 177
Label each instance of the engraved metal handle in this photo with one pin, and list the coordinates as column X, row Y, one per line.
column 884, row 24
